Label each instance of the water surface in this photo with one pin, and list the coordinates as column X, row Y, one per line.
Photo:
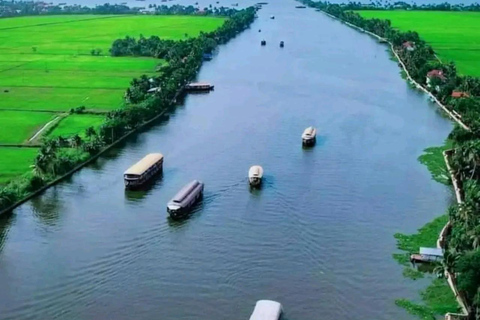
column 318, row 237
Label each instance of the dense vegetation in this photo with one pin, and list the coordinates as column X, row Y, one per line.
column 462, row 256
column 59, row 155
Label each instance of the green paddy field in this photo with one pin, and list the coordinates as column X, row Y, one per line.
column 46, row 68
column 455, row 36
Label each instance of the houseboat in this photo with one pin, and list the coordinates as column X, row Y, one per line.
column 309, row 136
column 143, row 170
column 263, row 43
column 427, row 255
column 199, row 86
column 255, row 175
column 272, row 17
column 282, row 44
column 183, row 201
column 267, row 310
column 300, row 7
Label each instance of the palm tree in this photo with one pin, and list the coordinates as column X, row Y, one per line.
column 75, row 141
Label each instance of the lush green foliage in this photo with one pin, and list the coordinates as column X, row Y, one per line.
column 458, row 42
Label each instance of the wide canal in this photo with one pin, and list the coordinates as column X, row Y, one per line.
column 318, row 237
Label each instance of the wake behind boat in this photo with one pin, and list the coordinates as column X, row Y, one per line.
column 309, row 136
column 255, row 175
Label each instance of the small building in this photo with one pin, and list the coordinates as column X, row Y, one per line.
column 408, row 45
column 435, row 74
column 428, row 255
column 460, row 94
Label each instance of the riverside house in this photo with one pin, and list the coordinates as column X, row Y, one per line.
column 435, row 74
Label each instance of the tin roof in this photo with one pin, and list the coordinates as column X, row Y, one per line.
column 142, row 165
column 438, row 252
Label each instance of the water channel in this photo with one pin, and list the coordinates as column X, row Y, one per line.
column 318, row 237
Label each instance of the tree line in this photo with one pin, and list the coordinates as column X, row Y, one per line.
column 58, row 156
column 462, row 254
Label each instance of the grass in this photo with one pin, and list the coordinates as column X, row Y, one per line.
column 76, row 124
column 17, row 127
column 15, row 162
column 46, row 65
column 453, row 35
column 45, row 61
column 433, row 159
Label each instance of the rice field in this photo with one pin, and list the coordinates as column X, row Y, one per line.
column 76, row 124
column 46, row 65
column 18, row 127
column 453, row 35
column 15, row 162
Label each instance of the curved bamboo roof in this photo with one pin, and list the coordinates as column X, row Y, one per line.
column 141, row 166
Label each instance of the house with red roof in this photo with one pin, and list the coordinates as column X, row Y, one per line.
column 408, row 45
column 435, row 74
column 460, row 94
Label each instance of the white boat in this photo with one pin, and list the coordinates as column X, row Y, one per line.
column 255, row 175
column 309, row 136
column 267, row 310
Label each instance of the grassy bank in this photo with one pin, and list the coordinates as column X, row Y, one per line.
column 55, row 63
column 458, row 42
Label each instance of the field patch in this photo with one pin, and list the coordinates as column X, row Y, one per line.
column 15, row 162
column 76, row 124
column 18, row 127
column 453, row 35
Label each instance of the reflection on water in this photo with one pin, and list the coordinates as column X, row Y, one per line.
column 5, row 222
column 48, row 207
column 146, row 189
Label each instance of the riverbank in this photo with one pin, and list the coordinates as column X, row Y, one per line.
column 183, row 58
column 443, row 236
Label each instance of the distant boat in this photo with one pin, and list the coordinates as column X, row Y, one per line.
column 272, row 17
column 263, row 43
column 282, row 44
column 266, row 310
column 309, row 136
column 300, row 7
column 199, row 86
column 255, row 175
column 183, row 201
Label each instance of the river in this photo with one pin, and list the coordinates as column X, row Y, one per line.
column 318, row 237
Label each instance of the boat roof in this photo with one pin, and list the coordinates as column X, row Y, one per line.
column 255, row 170
column 185, row 191
column 199, row 84
column 431, row 251
column 309, row 130
column 266, row 310
column 143, row 165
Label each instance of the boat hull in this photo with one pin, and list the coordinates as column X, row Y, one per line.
column 309, row 142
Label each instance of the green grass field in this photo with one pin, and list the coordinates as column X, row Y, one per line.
column 453, row 35
column 15, row 162
column 17, row 127
column 76, row 124
column 46, row 65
